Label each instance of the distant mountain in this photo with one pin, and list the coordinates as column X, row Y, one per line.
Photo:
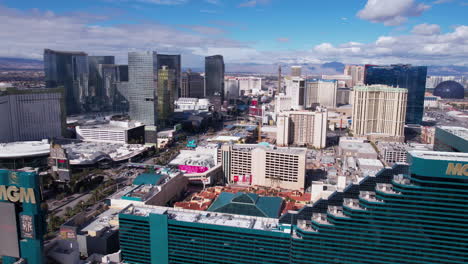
column 249, row 68
column 20, row 64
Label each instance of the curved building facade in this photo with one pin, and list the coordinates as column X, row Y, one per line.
column 450, row 90
column 400, row 216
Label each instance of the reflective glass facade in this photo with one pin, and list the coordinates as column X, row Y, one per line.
column 410, row 77
column 400, row 216
column 70, row 70
column 172, row 62
column 214, row 76
column 142, row 70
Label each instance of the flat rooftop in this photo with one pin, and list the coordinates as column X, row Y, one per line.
column 113, row 125
column 358, row 146
column 204, row 217
column 92, row 152
column 103, row 221
column 270, row 148
column 24, row 149
column 461, row 132
column 438, row 155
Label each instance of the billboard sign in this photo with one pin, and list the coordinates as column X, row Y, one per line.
column 9, row 245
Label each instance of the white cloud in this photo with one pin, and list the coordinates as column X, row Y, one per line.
column 391, row 13
column 35, row 30
column 426, row 29
column 213, row 2
column 254, row 3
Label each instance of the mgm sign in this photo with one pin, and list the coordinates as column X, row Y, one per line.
column 22, row 222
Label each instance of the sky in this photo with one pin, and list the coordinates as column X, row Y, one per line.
column 422, row 32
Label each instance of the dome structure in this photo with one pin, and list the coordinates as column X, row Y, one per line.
column 450, row 90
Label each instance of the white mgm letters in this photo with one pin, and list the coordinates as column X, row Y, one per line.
column 15, row 194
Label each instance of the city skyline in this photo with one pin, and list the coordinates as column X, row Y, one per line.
column 408, row 31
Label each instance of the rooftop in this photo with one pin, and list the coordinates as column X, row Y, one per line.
column 247, row 204
column 221, row 219
column 24, row 149
column 80, row 153
column 438, row 155
column 147, row 178
column 357, row 146
column 113, row 125
column 461, row 132
column 103, row 221
column 379, row 87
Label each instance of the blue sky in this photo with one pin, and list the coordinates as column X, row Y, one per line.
column 261, row 31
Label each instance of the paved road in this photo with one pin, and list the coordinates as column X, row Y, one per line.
column 62, row 210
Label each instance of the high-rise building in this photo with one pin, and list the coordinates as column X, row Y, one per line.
column 379, row 112
column 410, row 77
column 32, row 114
column 295, row 88
column 214, row 76
column 231, row 86
column 96, row 81
column 282, row 103
column 247, row 164
column 402, row 215
column 357, row 74
column 167, row 91
column 320, row 93
column 344, row 81
column 22, row 220
column 142, row 71
column 303, row 128
column 296, row 71
column 193, row 85
column 250, row 85
column 70, row 70
column 173, row 62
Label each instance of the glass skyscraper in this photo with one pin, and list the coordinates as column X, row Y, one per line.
column 214, row 76
column 167, row 91
column 142, row 71
column 70, row 70
column 410, row 77
column 193, row 85
column 172, row 62
column 98, row 87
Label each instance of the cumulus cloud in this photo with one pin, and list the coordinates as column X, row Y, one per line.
column 25, row 34
column 418, row 48
column 391, row 13
column 426, row 29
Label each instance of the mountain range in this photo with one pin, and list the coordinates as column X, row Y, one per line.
column 249, row 68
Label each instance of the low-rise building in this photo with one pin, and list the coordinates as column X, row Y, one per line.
column 356, row 147
column 161, row 187
column 114, row 132
column 17, row 155
column 192, row 104
column 394, row 152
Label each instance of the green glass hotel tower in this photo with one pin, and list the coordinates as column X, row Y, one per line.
column 413, row 214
